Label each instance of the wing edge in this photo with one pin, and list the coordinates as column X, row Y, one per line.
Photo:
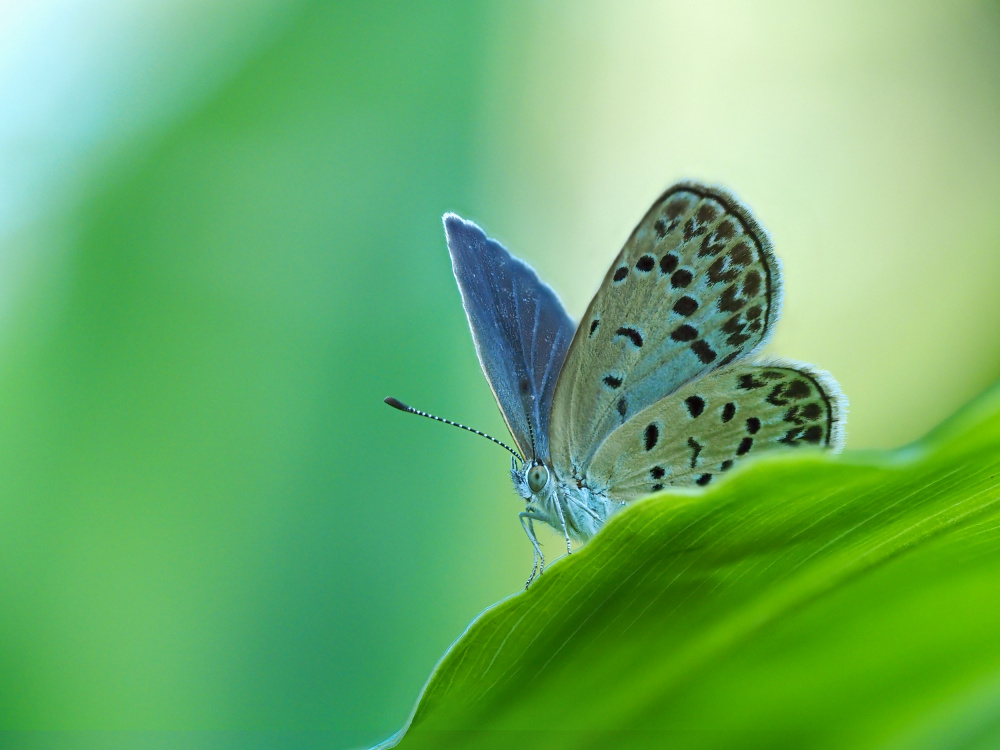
column 765, row 244
column 833, row 394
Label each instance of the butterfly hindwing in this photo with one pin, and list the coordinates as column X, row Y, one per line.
column 712, row 423
column 519, row 326
column 695, row 288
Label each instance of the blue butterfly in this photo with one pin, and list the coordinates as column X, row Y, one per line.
column 657, row 386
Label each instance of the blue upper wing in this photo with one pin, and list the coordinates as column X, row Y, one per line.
column 520, row 329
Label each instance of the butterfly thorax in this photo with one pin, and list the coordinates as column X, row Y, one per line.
column 569, row 506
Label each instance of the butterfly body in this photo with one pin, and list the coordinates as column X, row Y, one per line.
column 658, row 385
column 565, row 503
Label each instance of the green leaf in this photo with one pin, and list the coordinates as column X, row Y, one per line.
column 806, row 601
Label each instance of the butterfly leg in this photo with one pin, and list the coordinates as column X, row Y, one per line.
column 562, row 520
column 538, row 560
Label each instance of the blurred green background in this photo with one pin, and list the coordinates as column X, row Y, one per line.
column 220, row 248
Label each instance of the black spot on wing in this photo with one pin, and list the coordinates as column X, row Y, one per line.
column 593, row 325
column 695, row 447
column 721, row 272
column 685, row 333
column 668, row 263
column 753, row 425
column 728, row 411
column 631, row 334
column 621, row 273
column 612, row 382
column 748, row 382
column 738, row 339
column 729, row 302
column 813, row 434
column 741, row 255
column 745, row 445
column 645, row 263
column 705, row 352
column 686, row 306
column 651, row 436
column 725, row 230
column 794, row 416
column 695, row 405
column 798, row 389
column 681, row 278
column 676, row 207
column 713, row 244
column 812, row 411
column 791, row 437
column 703, row 480
column 782, row 393
column 707, row 213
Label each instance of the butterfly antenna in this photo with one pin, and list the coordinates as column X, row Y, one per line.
column 531, row 437
column 395, row 403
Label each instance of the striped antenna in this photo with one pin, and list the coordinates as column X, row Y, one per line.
column 395, row 403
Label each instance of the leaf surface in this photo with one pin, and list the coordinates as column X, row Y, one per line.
column 806, row 601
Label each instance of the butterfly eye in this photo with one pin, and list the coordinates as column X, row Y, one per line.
column 538, row 477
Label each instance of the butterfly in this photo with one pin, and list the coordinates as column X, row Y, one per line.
column 658, row 385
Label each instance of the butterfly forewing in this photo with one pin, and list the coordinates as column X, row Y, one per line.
column 713, row 423
column 519, row 326
column 695, row 287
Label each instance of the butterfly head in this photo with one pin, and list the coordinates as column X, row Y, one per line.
column 532, row 480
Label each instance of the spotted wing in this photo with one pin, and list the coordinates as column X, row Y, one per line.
column 519, row 326
column 695, row 287
column 711, row 424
